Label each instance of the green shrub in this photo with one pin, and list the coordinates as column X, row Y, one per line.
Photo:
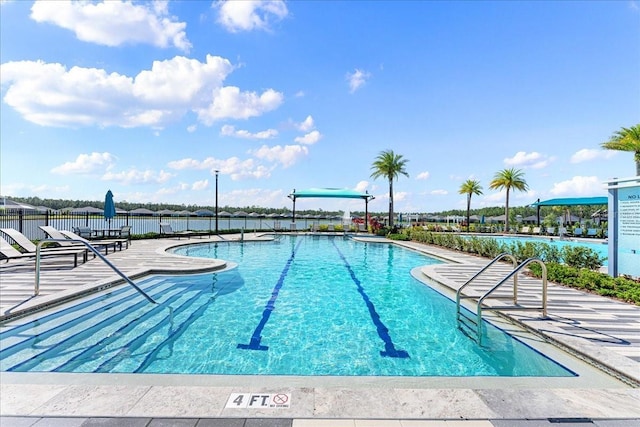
column 581, row 257
column 622, row 288
column 398, row 236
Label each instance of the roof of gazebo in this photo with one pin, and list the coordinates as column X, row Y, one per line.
column 338, row 193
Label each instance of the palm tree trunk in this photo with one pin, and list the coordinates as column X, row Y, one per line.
column 468, row 210
column 637, row 164
column 390, row 202
column 506, row 213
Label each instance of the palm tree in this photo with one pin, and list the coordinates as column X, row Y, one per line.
column 626, row 139
column 508, row 179
column 389, row 165
column 470, row 187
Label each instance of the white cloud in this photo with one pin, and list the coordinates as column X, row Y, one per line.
column 357, row 79
column 50, row 95
column 229, row 102
column 188, row 163
column 306, row 125
column 114, row 23
column 287, row 155
column 578, row 186
column 192, row 128
column 423, row 175
column 200, row 185
column 135, row 176
column 86, row 164
column 234, row 167
column 400, row 196
column 587, row 154
column 533, row 160
column 310, row 138
column 250, row 15
column 439, row 192
column 229, row 130
column 362, row 186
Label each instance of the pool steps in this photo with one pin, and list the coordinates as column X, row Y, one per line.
column 99, row 331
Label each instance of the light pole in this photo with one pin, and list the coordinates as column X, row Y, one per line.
column 217, row 201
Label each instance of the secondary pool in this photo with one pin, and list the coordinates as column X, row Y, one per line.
column 300, row 305
column 599, row 247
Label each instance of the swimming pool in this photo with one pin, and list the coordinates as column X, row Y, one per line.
column 295, row 306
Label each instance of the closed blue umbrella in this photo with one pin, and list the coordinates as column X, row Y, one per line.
column 109, row 207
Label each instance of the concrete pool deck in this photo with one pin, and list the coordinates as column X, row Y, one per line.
column 592, row 327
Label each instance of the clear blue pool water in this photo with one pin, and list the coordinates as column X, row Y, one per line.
column 296, row 306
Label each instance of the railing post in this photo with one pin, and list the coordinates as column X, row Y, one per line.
column 20, row 220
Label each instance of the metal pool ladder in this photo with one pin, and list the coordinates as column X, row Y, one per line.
column 97, row 253
column 472, row 325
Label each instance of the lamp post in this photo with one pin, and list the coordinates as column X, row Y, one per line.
column 217, row 201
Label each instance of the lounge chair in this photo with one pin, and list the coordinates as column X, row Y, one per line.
column 8, row 252
column 53, row 233
column 331, row 228
column 577, row 232
column 105, row 244
column 167, row 231
column 30, row 248
column 84, row 232
column 125, row 233
column 536, row 230
column 551, row 231
column 592, row 232
column 526, row 230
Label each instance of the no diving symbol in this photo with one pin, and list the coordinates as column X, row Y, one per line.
column 280, row 399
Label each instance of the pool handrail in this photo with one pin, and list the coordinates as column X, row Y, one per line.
column 513, row 274
column 97, row 253
column 475, row 276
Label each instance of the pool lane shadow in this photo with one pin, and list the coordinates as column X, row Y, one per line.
column 256, row 338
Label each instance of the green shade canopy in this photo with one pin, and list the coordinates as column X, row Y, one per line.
column 573, row 201
column 338, row 193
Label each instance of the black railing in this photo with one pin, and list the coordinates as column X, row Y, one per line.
column 28, row 222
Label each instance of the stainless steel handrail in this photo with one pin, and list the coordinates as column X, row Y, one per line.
column 500, row 283
column 475, row 276
column 96, row 252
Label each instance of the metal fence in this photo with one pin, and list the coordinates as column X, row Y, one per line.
column 28, row 223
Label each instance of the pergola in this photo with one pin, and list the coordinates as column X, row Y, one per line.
column 334, row 193
column 570, row 201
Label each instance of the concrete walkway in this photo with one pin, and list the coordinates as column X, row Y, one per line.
column 592, row 327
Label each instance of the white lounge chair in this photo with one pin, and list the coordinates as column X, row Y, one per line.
column 30, row 248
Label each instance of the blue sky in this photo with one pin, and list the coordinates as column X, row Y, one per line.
column 149, row 98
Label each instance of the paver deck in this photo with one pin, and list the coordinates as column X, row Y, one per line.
column 595, row 327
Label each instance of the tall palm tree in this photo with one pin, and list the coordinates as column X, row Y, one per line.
column 626, row 139
column 389, row 165
column 508, row 179
column 470, row 187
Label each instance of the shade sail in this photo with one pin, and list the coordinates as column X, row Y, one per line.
column 338, row 193
column 573, row 201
